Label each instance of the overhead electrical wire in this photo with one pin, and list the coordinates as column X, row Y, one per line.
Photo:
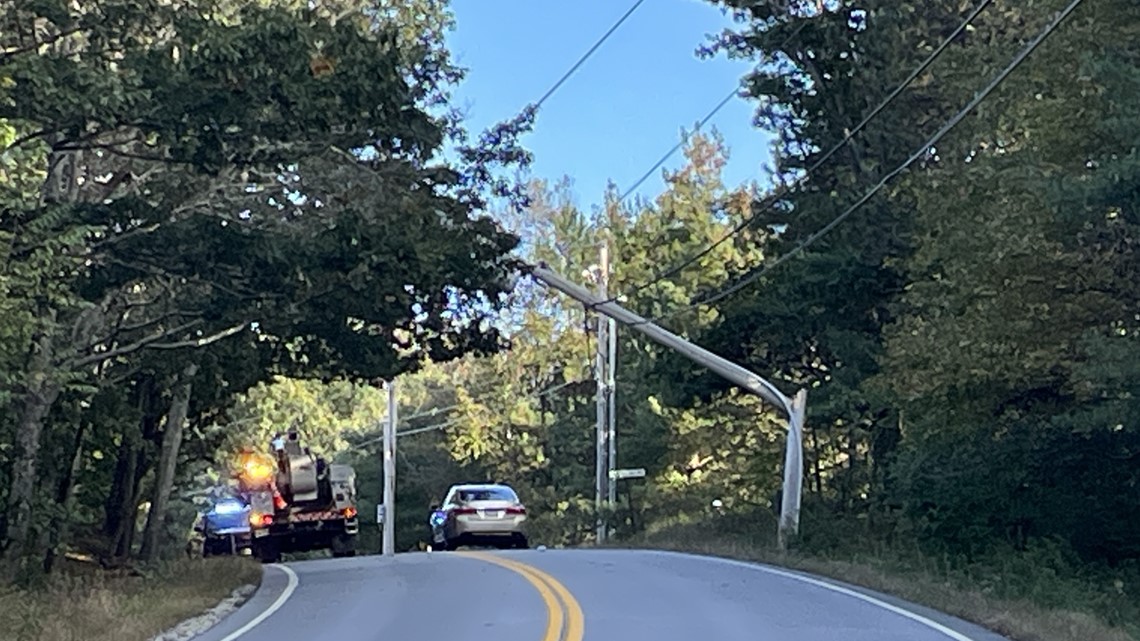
column 701, row 123
column 589, row 52
column 923, row 150
column 451, row 422
column 546, row 96
column 770, row 201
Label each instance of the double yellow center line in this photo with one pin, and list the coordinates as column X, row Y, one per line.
column 564, row 621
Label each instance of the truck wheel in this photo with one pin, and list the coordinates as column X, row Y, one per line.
column 267, row 552
column 344, row 546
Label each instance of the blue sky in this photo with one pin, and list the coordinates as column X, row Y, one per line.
column 624, row 107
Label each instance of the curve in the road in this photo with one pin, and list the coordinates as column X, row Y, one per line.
column 548, row 587
column 290, row 587
column 903, row 612
column 535, row 595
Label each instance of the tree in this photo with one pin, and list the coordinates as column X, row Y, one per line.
column 945, row 328
column 1020, row 284
column 528, row 415
column 233, row 172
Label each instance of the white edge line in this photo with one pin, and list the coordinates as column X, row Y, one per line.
column 273, row 607
column 827, row 585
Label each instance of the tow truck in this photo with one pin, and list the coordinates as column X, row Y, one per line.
column 297, row 501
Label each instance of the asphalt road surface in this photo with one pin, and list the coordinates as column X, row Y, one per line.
column 570, row 595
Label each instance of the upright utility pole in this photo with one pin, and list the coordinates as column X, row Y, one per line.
column 389, row 537
column 601, row 472
column 793, row 408
column 611, row 411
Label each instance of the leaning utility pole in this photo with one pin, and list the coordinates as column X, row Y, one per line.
column 793, row 407
column 601, row 370
column 389, row 536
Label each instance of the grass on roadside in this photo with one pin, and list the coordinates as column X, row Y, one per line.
column 922, row 581
column 82, row 602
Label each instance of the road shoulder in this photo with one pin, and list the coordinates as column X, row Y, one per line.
column 277, row 584
column 950, row 626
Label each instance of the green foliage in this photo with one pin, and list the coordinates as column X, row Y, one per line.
column 968, row 337
column 254, row 189
column 1015, row 307
column 324, row 413
column 526, row 417
column 947, row 331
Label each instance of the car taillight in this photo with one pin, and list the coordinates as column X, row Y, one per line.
column 463, row 510
column 516, row 510
column 264, row 520
column 349, row 512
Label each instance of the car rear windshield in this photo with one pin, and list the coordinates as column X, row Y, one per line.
column 488, row 494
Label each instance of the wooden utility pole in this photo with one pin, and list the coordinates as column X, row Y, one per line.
column 601, row 372
column 389, row 525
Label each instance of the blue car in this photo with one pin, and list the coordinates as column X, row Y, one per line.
column 225, row 528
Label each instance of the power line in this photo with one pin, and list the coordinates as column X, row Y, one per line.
column 701, row 123
column 680, row 143
column 922, row 151
column 589, row 52
column 770, row 201
column 546, row 392
column 447, row 408
column 449, row 423
column 428, row 428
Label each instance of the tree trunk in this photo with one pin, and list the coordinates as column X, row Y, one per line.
column 113, row 513
column 121, row 507
column 125, row 539
column 851, row 489
column 57, row 534
column 42, row 387
column 816, row 474
column 168, row 459
column 40, row 394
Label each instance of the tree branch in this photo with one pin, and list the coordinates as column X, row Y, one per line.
column 143, row 266
column 121, row 378
column 114, row 147
column 12, row 52
column 135, row 346
column 26, row 138
column 124, row 329
column 201, row 342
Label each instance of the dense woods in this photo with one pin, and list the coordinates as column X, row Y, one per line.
column 198, row 197
column 220, row 217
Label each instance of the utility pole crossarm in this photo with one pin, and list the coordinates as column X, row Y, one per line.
column 726, row 368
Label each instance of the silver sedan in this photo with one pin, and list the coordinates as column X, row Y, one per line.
column 479, row 514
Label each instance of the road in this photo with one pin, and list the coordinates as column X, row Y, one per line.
column 569, row 595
